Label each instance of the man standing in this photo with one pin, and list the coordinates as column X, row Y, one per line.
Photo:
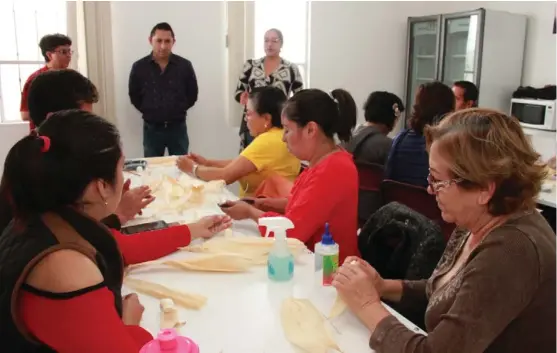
column 163, row 87
column 57, row 53
column 466, row 95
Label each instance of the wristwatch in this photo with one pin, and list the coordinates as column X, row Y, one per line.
column 194, row 170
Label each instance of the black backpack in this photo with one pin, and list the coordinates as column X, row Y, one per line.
column 401, row 243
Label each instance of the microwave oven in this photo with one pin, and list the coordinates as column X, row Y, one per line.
column 534, row 113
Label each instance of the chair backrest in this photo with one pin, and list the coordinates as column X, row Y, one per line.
column 418, row 199
column 369, row 196
column 370, row 176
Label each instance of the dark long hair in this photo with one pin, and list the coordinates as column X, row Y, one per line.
column 433, row 101
column 51, row 169
column 269, row 100
column 335, row 113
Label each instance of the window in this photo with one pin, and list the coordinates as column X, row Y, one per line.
column 291, row 18
column 22, row 25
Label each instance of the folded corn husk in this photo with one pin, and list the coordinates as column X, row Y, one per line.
column 213, row 263
column 169, row 315
column 255, row 248
column 304, row 327
column 338, row 308
column 186, row 300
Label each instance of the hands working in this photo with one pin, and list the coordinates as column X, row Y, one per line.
column 132, row 310
column 244, row 98
column 185, row 163
column 239, row 210
column 358, row 284
column 208, row 226
column 133, row 201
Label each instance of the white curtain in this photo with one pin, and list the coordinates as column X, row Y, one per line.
column 89, row 26
column 240, row 37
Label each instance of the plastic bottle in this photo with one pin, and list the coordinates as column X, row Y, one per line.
column 280, row 265
column 168, row 341
column 326, row 256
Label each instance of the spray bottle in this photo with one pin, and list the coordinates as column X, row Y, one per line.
column 280, row 265
column 326, row 256
column 168, row 341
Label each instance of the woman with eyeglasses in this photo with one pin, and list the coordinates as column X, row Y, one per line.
column 327, row 190
column 57, row 52
column 270, row 70
column 493, row 290
column 267, row 157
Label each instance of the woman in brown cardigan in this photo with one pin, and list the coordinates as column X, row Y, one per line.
column 494, row 288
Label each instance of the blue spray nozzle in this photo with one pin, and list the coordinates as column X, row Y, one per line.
column 327, row 237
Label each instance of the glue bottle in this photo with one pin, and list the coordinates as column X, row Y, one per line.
column 326, row 256
column 280, row 265
column 168, row 341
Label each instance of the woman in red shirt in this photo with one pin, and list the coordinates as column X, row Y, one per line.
column 327, row 191
column 61, row 270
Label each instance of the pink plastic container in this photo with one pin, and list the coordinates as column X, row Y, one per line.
column 168, row 341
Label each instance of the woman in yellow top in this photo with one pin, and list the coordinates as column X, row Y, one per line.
column 266, row 156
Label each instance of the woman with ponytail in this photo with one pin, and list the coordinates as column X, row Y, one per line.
column 327, row 191
column 61, row 269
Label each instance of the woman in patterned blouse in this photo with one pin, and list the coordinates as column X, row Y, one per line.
column 271, row 70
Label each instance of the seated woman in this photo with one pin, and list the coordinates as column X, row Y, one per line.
column 56, row 90
column 327, row 191
column 61, row 270
column 267, row 155
column 370, row 143
column 408, row 160
column 494, row 288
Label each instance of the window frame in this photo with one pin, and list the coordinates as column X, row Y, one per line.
column 305, row 64
column 22, row 80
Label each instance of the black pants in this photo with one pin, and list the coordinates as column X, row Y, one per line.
column 159, row 136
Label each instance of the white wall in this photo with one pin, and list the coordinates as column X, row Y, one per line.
column 361, row 46
column 200, row 37
column 10, row 133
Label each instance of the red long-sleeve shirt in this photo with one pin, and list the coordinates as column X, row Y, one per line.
column 88, row 322
column 325, row 193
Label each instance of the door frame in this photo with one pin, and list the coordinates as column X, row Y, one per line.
column 479, row 41
column 408, row 99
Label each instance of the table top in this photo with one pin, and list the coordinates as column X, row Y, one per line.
column 242, row 310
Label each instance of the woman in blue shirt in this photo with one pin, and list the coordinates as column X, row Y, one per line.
column 408, row 160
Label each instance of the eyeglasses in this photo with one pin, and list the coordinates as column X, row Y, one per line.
column 275, row 40
column 64, row 51
column 437, row 185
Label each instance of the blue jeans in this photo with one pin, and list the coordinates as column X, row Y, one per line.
column 159, row 136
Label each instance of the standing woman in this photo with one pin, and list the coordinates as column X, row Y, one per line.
column 270, row 70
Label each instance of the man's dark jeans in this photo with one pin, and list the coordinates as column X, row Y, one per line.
column 159, row 136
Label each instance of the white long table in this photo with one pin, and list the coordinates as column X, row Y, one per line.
column 242, row 311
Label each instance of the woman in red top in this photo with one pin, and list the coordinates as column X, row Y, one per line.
column 327, row 191
column 61, row 282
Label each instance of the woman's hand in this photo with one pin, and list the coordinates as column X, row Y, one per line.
column 239, row 210
column 198, row 159
column 244, row 98
column 133, row 201
column 185, row 164
column 356, row 282
column 208, row 226
column 132, row 310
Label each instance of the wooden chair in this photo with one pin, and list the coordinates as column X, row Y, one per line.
column 370, row 200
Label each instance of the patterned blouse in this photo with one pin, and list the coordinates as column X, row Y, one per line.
column 286, row 77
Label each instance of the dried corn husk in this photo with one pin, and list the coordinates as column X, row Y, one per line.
column 304, row 327
column 186, row 300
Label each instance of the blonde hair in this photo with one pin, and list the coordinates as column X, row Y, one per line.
column 483, row 146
